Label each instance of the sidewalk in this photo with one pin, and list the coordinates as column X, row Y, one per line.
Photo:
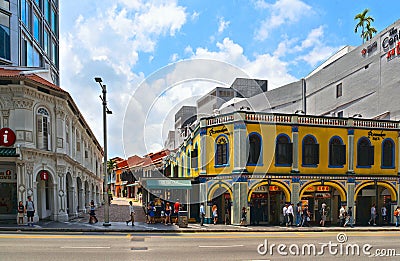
column 119, row 214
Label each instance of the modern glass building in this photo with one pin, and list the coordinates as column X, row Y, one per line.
column 29, row 35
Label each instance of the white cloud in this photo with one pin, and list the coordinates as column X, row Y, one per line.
column 195, row 16
column 106, row 42
column 222, row 25
column 281, row 12
column 264, row 66
column 174, row 57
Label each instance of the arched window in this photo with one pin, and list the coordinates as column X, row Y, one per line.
column 195, row 156
column 283, row 151
column 188, row 163
column 310, row 151
column 221, row 151
column 337, row 152
column 254, row 157
column 43, row 129
column 182, row 167
column 365, row 153
column 387, row 153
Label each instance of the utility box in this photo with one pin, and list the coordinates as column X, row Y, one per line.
column 183, row 219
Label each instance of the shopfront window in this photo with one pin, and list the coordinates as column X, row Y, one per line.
column 8, row 189
column 43, row 129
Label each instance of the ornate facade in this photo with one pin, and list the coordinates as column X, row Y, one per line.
column 55, row 157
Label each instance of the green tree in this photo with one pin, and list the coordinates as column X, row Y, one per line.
column 364, row 22
column 111, row 166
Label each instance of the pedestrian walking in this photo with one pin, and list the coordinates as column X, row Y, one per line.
column 30, row 210
column 397, row 215
column 131, row 214
column 298, row 214
column 373, row 215
column 305, row 217
column 21, row 212
column 285, row 217
column 384, row 215
column 177, row 207
column 202, row 214
column 342, row 216
column 290, row 214
column 168, row 211
column 349, row 217
column 215, row 213
column 92, row 214
column 323, row 213
column 243, row 219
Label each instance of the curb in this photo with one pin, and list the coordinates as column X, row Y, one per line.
column 102, row 230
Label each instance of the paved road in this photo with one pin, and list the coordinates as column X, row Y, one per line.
column 197, row 246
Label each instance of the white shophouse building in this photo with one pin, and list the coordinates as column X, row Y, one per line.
column 55, row 158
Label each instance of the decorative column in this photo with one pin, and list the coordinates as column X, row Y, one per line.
column 351, row 185
column 239, row 143
column 295, row 140
column 295, row 190
column 61, row 207
column 350, row 141
column 239, row 189
column 203, row 147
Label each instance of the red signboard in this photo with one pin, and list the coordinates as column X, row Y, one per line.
column 44, row 175
column 7, row 137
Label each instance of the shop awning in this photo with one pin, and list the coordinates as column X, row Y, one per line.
column 168, row 184
column 8, row 152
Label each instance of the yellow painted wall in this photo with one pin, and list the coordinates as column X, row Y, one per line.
column 377, row 143
column 323, row 136
column 211, row 136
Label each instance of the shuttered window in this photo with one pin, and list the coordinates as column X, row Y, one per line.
column 254, row 148
column 283, row 151
column 222, row 146
column 337, row 152
column 387, row 153
column 310, row 151
column 365, row 153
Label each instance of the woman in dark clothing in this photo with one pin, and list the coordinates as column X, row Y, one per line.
column 306, row 217
column 92, row 214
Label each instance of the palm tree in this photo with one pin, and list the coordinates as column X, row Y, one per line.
column 364, row 22
column 111, row 165
column 367, row 35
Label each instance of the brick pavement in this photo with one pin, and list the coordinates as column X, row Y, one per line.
column 119, row 211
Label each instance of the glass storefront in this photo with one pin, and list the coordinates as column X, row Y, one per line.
column 8, row 190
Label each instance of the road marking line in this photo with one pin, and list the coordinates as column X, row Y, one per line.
column 83, row 247
column 221, row 246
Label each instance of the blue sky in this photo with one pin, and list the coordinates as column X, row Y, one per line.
column 126, row 41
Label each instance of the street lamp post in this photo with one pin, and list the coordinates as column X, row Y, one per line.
column 105, row 184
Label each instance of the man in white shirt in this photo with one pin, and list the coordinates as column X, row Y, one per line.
column 132, row 214
column 384, row 213
column 290, row 214
column 285, row 217
column 342, row 215
column 202, row 214
column 373, row 215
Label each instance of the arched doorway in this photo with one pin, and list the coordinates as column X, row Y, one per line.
column 45, row 195
column 221, row 196
column 381, row 194
column 315, row 193
column 267, row 199
column 70, row 195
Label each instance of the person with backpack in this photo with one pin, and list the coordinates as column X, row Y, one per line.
column 21, row 212
column 92, row 215
column 30, row 210
column 397, row 215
